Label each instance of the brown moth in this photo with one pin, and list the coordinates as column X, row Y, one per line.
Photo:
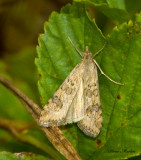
column 77, row 99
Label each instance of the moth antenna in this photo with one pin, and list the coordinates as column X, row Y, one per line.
column 106, row 75
column 75, row 47
column 99, row 50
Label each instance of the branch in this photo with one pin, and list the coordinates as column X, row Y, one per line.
column 14, row 128
column 53, row 133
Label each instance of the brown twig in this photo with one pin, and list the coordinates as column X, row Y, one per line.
column 53, row 133
column 13, row 128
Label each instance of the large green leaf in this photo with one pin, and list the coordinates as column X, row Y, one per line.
column 120, row 135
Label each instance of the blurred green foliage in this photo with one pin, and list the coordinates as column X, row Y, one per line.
column 21, row 23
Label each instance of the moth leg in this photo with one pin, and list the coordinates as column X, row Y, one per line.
column 106, row 75
column 99, row 50
column 75, row 47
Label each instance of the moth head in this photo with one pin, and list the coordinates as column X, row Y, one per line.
column 87, row 54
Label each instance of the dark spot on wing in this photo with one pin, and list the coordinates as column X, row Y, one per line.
column 72, row 83
column 89, row 93
column 58, row 102
column 89, row 86
column 68, row 90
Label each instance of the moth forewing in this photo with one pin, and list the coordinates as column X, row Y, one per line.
column 61, row 108
column 92, row 122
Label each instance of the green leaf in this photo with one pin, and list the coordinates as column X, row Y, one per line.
column 118, row 11
column 117, row 4
column 120, row 135
column 21, row 156
column 132, row 7
column 115, row 11
column 120, row 4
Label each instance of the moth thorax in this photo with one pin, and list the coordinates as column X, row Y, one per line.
column 87, row 54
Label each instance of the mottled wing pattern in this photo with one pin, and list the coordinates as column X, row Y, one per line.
column 92, row 122
column 66, row 106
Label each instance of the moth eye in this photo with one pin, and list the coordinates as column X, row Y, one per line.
column 68, row 90
column 89, row 93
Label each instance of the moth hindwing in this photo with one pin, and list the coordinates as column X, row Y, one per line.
column 77, row 99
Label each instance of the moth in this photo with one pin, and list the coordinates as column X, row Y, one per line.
column 78, row 98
